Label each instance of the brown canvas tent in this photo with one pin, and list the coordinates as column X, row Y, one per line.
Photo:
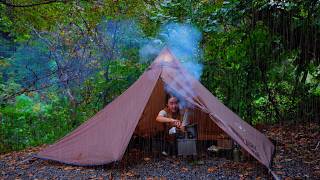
column 105, row 137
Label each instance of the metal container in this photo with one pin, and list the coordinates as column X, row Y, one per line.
column 187, row 147
column 192, row 131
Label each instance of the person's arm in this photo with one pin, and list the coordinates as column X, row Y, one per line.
column 163, row 119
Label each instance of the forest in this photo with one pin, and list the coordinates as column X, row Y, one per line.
column 61, row 61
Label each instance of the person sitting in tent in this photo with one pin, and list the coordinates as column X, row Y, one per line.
column 172, row 116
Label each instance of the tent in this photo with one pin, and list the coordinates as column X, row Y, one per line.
column 105, row 137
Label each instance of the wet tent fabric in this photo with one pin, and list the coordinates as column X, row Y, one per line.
column 105, row 137
column 190, row 89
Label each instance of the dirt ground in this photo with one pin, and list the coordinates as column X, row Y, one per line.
column 297, row 157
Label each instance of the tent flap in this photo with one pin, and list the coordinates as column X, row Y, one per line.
column 104, row 137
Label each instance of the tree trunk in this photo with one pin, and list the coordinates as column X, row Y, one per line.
column 270, row 96
column 73, row 104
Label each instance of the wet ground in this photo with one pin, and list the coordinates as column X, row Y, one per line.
column 297, row 157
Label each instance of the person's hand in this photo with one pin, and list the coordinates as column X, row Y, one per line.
column 176, row 123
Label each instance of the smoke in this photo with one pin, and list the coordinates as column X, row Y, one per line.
column 183, row 40
column 150, row 50
column 117, row 37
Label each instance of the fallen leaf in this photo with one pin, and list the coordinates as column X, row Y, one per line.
column 68, row 168
column 130, row 174
column 316, row 173
column 280, row 172
column 106, row 174
column 184, row 169
column 153, row 178
column 93, row 176
column 278, row 166
column 242, row 177
column 212, row 169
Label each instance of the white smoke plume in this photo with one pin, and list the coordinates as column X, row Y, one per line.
column 183, row 40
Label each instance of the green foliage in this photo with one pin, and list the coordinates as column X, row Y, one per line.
column 250, row 66
column 20, row 122
column 34, row 119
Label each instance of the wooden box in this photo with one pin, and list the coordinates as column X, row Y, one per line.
column 224, row 142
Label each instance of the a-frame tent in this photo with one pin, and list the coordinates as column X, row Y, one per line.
column 105, row 137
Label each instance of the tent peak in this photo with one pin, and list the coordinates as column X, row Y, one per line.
column 165, row 56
